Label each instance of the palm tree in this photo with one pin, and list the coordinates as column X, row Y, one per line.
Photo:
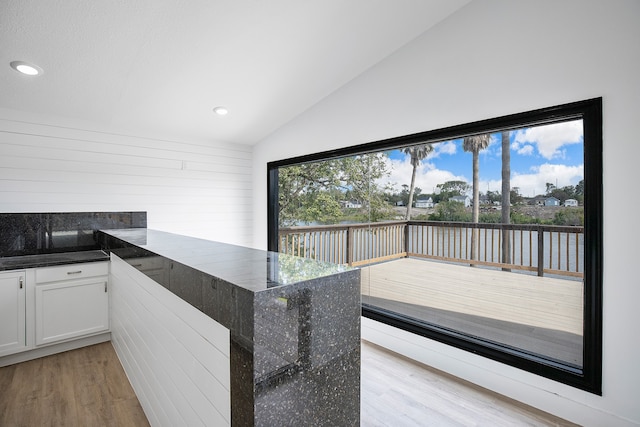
column 474, row 144
column 417, row 153
column 506, row 197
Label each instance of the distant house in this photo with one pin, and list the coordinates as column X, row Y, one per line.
column 571, row 202
column 352, row 204
column 536, row 201
column 462, row 199
column 551, row 201
column 424, row 203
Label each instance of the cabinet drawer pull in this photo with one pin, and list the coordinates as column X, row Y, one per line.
column 21, row 282
column 74, row 272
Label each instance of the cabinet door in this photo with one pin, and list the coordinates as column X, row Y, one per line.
column 71, row 309
column 12, row 315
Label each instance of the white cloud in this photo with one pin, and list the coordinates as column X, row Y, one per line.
column 491, row 185
column 525, row 150
column 530, row 183
column 535, row 183
column 549, row 138
column 427, row 175
column 447, row 147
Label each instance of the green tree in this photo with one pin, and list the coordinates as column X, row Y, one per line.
column 312, row 192
column 475, row 144
column 550, row 188
column 516, row 197
column 493, row 196
column 450, row 189
column 569, row 216
column 404, row 194
column 564, row 193
column 579, row 191
column 322, row 207
column 417, row 153
column 450, row 211
column 361, row 174
column 299, row 184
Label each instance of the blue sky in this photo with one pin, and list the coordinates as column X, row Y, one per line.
column 550, row 153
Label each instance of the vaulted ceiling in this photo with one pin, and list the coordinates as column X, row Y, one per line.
column 159, row 67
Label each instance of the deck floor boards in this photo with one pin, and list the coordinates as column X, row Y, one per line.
column 542, row 315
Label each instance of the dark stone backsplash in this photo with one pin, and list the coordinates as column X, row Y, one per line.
column 46, row 233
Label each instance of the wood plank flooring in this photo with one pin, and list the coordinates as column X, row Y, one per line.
column 87, row 387
column 84, row 388
column 400, row 392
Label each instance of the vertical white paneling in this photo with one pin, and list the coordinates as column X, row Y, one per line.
column 198, row 189
column 176, row 358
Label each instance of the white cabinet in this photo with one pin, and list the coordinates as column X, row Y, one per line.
column 71, row 301
column 12, row 312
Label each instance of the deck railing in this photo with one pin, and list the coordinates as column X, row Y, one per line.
column 543, row 249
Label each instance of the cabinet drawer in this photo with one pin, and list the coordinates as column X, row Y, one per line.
column 71, row 271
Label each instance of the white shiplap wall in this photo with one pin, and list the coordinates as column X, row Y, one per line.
column 198, row 189
column 176, row 357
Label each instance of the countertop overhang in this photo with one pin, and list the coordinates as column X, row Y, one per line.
column 251, row 269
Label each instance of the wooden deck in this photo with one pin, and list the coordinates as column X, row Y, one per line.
column 542, row 315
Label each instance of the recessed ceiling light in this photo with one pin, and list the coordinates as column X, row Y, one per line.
column 221, row 111
column 26, row 68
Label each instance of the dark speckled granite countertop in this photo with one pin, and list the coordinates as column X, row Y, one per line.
column 48, row 260
column 294, row 323
column 251, row 269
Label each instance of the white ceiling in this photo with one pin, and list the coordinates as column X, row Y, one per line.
column 159, row 67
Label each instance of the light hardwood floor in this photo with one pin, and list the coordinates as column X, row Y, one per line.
column 87, row 387
column 399, row 392
column 84, row 388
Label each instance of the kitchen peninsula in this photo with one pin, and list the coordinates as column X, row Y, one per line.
column 217, row 334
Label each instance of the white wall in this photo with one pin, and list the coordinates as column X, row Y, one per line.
column 492, row 58
column 175, row 356
column 200, row 189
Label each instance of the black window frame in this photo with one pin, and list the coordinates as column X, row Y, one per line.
column 589, row 377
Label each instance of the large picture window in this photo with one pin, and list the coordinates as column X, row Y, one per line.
column 485, row 236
